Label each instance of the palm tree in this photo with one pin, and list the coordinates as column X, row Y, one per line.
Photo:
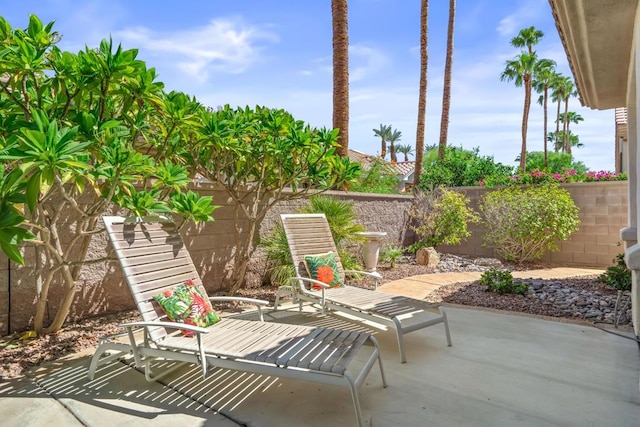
column 573, row 139
column 446, row 91
column 527, row 37
column 568, row 118
column 422, row 95
column 393, row 138
column 384, row 132
column 558, row 87
column 543, row 77
column 569, row 91
column 572, row 117
column 520, row 70
column 405, row 149
column 339, row 14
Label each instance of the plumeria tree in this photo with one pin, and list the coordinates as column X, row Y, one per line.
column 80, row 133
column 261, row 157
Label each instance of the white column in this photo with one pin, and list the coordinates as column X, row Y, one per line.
column 632, row 253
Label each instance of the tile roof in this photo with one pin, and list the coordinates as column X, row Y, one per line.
column 404, row 168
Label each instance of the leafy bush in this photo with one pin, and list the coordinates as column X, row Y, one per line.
column 379, row 178
column 556, row 162
column 440, row 216
column 523, row 223
column 617, row 276
column 342, row 222
column 501, row 282
column 391, row 255
column 459, row 168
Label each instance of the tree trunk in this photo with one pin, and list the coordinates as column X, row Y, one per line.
column 383, row 150
column 422, row 97
column 525, row 119
column 65, row 305
column 446, row 92
column 546, row 89
column 565, row 127
column 341, row 73
column 394, row 156
column 557, row 146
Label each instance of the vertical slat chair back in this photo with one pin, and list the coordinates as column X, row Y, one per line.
column 308, row 234
column 154, row 259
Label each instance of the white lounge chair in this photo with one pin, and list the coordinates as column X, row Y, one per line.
column 309, row 234
column 154, row 259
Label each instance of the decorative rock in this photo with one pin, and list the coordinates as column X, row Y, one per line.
column 488, row 262
column 428, row 257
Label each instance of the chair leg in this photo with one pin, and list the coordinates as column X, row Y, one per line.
column 97, row 360
column 400, row 335
column 284, row 292
column 379, row 356
column 446, row 325
column 354, row 396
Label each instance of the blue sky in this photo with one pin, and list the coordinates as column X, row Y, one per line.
column 278, row 53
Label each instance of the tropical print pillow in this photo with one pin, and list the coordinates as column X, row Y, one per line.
column 324, row 268
column 184, row 303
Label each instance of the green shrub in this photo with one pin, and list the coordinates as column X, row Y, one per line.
column 617, row 276
column 342, row 222
column 391, row 255
column 501, row 282
column 380, row 178
column 440, row 216
column 523, row 223
column 459, row 168
column 556, row 162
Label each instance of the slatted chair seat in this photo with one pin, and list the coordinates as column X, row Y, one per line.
column 309, row 234
column 154, row 259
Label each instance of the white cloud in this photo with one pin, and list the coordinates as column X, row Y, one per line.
column 364, row 61
column 224, row 45
column 529, row 11
column 508, row 25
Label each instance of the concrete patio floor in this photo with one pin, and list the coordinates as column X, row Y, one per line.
column 502, row 370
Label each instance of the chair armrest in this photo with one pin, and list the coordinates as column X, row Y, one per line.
column 374, row 274
column 241, row 299
column 257, row 302
column 174, row 325
column 308, row 279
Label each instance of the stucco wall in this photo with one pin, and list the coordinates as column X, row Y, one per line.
column 101, row 288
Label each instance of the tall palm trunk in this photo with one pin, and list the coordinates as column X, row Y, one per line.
column 422, row 97
column 525, row 119
column 546, row 120
column 339, row 12
column 557, row 145
column 446, row 92
column 566, row 146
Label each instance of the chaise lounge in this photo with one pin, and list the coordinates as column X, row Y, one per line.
column 309, row 236
column 156, row 263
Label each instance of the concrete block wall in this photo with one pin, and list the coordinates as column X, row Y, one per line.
column 603, row 213
column 101, row 288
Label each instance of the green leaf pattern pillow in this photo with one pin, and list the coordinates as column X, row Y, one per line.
column 184, row 303
column 324, row 268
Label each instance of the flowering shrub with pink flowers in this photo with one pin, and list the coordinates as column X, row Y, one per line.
column 537, row 176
